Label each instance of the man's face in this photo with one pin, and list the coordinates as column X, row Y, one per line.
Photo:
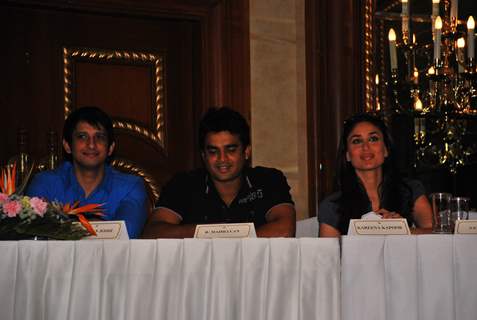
column 89, row 148
column 224, row 156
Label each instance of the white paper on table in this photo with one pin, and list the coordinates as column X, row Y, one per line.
column 371, row 215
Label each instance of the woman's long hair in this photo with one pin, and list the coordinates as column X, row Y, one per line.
column 354, row 202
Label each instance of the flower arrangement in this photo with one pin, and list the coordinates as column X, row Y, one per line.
column 24, row 217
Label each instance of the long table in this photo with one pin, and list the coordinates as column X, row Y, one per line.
column 409, row 277
column 395, row 277
column 171, row 279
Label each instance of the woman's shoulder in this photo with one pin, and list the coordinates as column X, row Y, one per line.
column 332, row 198
column 414, row 187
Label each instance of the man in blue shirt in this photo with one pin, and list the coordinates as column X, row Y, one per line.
column 88, row 141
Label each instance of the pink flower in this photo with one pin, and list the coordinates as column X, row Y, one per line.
column 12, row 208
column 3, row 198
column 38, row 205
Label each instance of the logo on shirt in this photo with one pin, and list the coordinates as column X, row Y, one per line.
column 257, row 194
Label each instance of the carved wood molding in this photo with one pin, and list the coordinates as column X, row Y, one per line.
column 368, row 55
column 156, row 133
column 132, row 168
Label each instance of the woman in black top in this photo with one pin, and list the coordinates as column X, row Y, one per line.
column 368, row 180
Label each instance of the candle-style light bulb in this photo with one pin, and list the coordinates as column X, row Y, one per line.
column 414, row 38
column 392, row 48
column 416, row 75
column 471, row 23
column 418, row 104
column 437, row 38
column 438, row 23
column 431, row 70
column 376, row 79
column 470, row 37
column 460, row 54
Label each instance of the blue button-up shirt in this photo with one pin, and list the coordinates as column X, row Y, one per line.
column 123, row 196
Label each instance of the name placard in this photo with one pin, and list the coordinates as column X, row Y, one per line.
column 378, row 227
column 111, row 230
column 225, row 230
column 465, row 227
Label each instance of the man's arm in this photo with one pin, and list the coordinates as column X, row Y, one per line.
column 281, row 222
column 165, row 223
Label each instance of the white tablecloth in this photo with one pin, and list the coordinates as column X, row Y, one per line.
column 170, row 279
column 409, row 277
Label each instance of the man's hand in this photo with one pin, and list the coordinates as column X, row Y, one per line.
column 165, row 223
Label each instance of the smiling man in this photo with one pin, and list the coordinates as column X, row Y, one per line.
column 226, row 190
column 88, row 142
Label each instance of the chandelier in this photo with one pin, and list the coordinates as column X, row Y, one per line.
column 434, row 84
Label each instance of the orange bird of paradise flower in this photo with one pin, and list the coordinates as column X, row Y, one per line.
column 78, row 211
column 7, row 179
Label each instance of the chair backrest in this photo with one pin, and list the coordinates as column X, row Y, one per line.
column 130, row 167
column 307, row 228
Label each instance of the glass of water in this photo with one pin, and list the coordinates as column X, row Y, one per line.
column 459, row 208
column 441, row 212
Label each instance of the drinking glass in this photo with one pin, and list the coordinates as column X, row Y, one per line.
column 459, row 208
column 441, row 213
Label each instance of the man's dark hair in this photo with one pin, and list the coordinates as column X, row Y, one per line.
column 94, row 116
column 224, row 119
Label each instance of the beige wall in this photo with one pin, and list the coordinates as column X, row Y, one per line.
column 278, row 112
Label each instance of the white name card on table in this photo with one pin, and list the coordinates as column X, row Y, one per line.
column 225, row 230
column 109, row 230
column 465, row 227
column 378, row 227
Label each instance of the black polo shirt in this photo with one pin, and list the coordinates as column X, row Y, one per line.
column 194, row 198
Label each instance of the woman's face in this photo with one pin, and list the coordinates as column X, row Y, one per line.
column 365, row 147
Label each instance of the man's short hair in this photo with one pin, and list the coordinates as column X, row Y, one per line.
column 218, row 119
column 94, row 116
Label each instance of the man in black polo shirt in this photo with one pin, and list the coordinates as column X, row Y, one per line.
column 227, row 190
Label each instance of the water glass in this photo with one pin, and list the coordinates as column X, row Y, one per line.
column 459, row 208
column 441, row 213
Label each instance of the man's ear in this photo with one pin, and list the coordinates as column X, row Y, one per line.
column 66, row 146
column 111, row 149
column 248, row 152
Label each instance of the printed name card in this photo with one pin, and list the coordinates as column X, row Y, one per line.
column 111, row 230
column 465, row 227
column 226, row 230
column 378, row 227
